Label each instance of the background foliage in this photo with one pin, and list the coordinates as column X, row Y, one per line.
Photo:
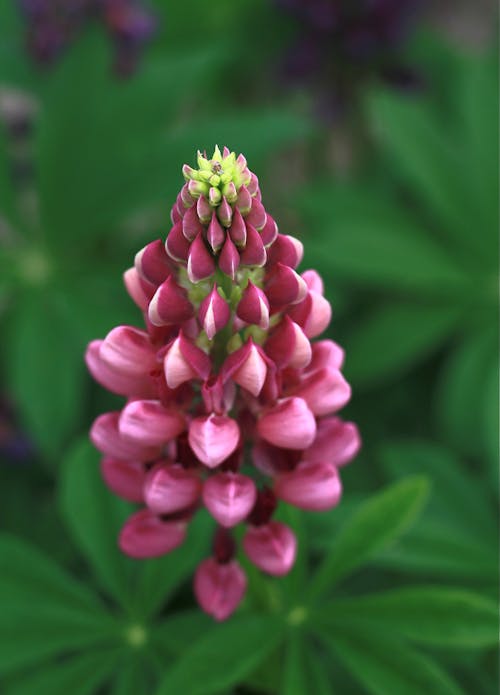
column 395, row 590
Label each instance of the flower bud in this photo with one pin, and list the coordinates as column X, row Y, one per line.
column 215, row 234
column 257, row 215
column 269, row 232
column 106, row 437
column 176, row 245
column 200, row 263
column 285, row 287
column 122, row 382
column 124, row 478
column 184, row 361
column 225, row 213
column 271, row 547
column 326, row 353
column 214, row 313
column 288, row 346
column 140, row 290
column 253, row 307
column 152, row 263
column 145, row 535
column 149, row 423
column 313, row 314
column 286, row 250
column 204, row 210
column 229, row 258
column 213, row 438
column 197, row 188
column 229, row 497
column 312, row 486
column 238, row 230
column 289, row 424
column 337, row 442
column 324, row 391
column 169, row 488
column 247, row 367
column 219, row 587
column 244, row 201
column 191, row 225
column 254, row 252
column 170, row 305
column 214, row 196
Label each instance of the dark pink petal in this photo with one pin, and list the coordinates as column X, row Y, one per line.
column 271, row 547
column 214, row 313
column 289, row 424
column 186, row 198
column 313, row 314
column 169, row 488
column 311, row 486
column 244, row 201
column 213, row 438
column 229, row 258
column 177, row 246
column 325, row 391
column 152, row 263
column 146, row 535
column 253, row 186
column 269, row 231
column 218, row 396
column 287, row 250
column 229, row 497
column 288, row 345
column 254, row 252
column 201, row 264
column 225, row 213
column 106, row 437
column 238, row 230
column 191, row 225
column 337, row 442
column 285, row 286
column 247, row 367
column 116, row 381
column 124, row 478
column 138, row 289
column 219, row 587
column 257, row 215
column 204, row 210
column 128, row 351
column 149, row 423
column 253, row 306
column 170, row 305
column 216, row 235
column 184, row 361
column 175, row 215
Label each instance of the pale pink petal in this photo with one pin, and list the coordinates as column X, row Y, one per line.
column 229, row 497
column 325, row 391
column 271, row 547
column 311, row 486
column 124, row 478
column 337, row 442
column 219, row 587
column 106, row 437
column 149, row 423
column 213, row 438
column 170, row 488
column 116, row 381
column 145, row 535
column 289, row 424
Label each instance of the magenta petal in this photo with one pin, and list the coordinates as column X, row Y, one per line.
column 152, row 262
column 214, row 313
column 289, row 424
column 285, row 286
column 337, row 442
column 128, row 351
column 254, row 252
column 271, row 547
column 170, row 488
column 184, row 361
column 106, row 437
column 244, row 201
column 146, row 535
column 238, row 230
column 247, row 367
column 116, row 381
column 176, row 245
column 257, row 215
column 213, row 438
column 215, row 234
column 191, row 225
column 229, row 497
column 253, row 306
column 313, row 314
column 313, row 281
column 311, row 486
column 201, row 264
column 138, row 289
column 269, row 232
column 326, row 353
column 229, row 258
column 225, row 213
column 150, row 423
column 170, row 305
column 287, row 250
column 124, row 478
column 288, row 345
column 219, row 587
column 204, row 210
column 324, row 391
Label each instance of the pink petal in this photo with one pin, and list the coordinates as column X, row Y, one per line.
column 118, row 382
column 201, row 264
column 286, row 250
column 145, row 535
column 170, row 488
column 269, row 232
column 185, row 361
column 313, row 314
column 150, row 423
column 229, row 497
column 124, row 478
column 313, row 281
column 285, row 286
column 289, row 424
column 229, row 258
column 215, row 234
column 106, row 437
column 326, row 353
column 170, row 305
column 288, row 345
column 176, row 245
column 138, row 289
column 213, row 438
column 253, row 306
column 214, row 313
column 254, row 252
column 311, row 486
column 247, row 367
column 152, row 263
column 238, row 230
column 219, row 588
column 271, row 547
column 257, row 215
column 337, row 442
column 128, row 351
column 191, row 225
column 325, row 391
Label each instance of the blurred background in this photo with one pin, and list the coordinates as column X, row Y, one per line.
column 372, row 125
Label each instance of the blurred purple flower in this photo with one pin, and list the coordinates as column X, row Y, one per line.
column 52, row 25
column 15, row 446
column 342, row 43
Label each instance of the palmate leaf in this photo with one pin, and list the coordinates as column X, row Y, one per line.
column 385, row 666
column 432, row 615
column 320, row 679
column 179, row 631
column 373, row 527
column 223, row 656
column 94, row 517
column 295, row 677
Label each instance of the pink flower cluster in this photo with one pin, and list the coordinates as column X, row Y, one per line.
column 229, row 404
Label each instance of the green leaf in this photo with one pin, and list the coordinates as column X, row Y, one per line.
column 179, row 631
column 158, row 578
column 79, row 675
column 394, row 337
column 132, row 677
column 375, row 525
column 223, row 656
column 43, row 611
column 46, row 372
column 321, row 681
column 94, row 517
column 385, row 666
column 441, row 616
column 295, row 680
column 7, row 200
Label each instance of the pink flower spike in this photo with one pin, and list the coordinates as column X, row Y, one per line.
column 244, row 201
column 337, row 442
column 215, row 234
column 213, row 438
column 184, row 361
column 229, row 258
column 326, row 353
column 225, row 213
column 201, row 264
column 325, row 391
column 271, row 547
column 289, row 424
column 170, row 305
column 311, row 486
column 214, row 313
column 269, row 232
column 106, row 437
column 257, row 215
column 170, row 488
column 191, row 225
column 149, row 423
column 139, row 290
column 313, row 281
column 229, row 497
column 124, row 478
column 152, row 263
column 219, row 587
column 253, row 307
column 204, row 210
column 116, row 381
column 288, row 345
column 176, row 245
column 145, row 535
column 247, row 367
column 254, row 252
column 313, row 314
column 287, row 250
column 285, row 287
column 238, row 230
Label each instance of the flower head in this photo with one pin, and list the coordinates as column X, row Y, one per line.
column 224, row 366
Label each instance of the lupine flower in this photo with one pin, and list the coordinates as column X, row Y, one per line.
column 52, row 25
column 340, row 44
column 230, row 405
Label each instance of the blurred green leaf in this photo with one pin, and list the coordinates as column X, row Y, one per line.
column 7, row 201
column 46, row 371
column 80, row 675
column 394, row 337
column 180, row 630
column 321, row 681
column 130, row 678
column 373, row 527
column 387, row 665
column 94, row 517
column 223, row 656
column 441, row 616
column 295, row 678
